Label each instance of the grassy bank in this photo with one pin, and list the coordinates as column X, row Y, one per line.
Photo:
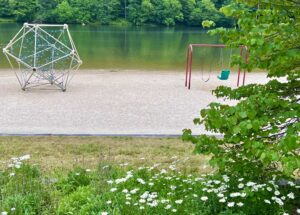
column 65, row 152
column 113, row 175
column 7, row 20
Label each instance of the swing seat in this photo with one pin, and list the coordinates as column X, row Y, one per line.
column 224, row 75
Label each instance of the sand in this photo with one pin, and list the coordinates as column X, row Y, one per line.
column 102, row 102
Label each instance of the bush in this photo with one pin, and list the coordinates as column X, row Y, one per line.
column 261, row 132
column 76, row 178
column 145, row 190
column 23, row 190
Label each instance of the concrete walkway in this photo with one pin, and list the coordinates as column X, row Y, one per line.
column 108, row 103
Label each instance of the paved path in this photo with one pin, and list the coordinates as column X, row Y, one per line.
column 105, row 103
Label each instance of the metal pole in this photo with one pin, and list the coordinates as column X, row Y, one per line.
column 34, row 73
column 187, row 66
column 191, row 63
column 35, row 38
column 246, row 58
column 239, row 70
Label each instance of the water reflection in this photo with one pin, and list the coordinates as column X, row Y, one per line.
column 147, row 48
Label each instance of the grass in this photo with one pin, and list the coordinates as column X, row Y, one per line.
column 88, row 175
column 61, row 152
column 6, row 20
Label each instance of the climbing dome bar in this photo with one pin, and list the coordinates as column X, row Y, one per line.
column 43, row 54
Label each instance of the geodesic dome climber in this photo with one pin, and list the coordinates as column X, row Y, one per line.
column 43, row 54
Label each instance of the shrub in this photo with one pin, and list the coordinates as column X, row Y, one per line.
column 76, row 178
column 145, row 190
column 23, row 190
column 261, row 132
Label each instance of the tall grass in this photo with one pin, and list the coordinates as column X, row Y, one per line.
column 147, row 189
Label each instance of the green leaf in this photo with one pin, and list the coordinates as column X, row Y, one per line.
column 236, row 130
column 243, row 114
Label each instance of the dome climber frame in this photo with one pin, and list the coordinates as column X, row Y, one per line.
column 42, row 54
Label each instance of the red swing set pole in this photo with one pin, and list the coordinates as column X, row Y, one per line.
column 239, row 69
column 189, row 62
column 246, row 60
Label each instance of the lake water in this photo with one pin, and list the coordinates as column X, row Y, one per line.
column 144, row 48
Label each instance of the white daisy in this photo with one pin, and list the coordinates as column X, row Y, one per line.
column 168, row 207
column 204, row 198
column 230, row 204
column 220, row 195
column 222, row 200
column 113, row 189
column 141, row 181
column 291, row 195
column 179, row 201
column 241, row 185
column 240, row 204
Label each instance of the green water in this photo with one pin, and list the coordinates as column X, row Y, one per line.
column 146, row 48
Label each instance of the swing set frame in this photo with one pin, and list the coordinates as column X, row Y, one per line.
column 189, row 62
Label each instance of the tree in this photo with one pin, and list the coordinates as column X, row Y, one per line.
column 167, row 12
column 64, row 13
column 46, row 10
column 161, row 12
column 261, row 132
column 147, row 11
column 204, row 10
column 108, row 10
column 25, row 10
column 135, row 14
column 6, row 8
column 84, row 10
column 187, row 7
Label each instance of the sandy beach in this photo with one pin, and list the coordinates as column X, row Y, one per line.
column 103, row 102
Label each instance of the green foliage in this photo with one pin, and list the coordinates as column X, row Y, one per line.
column 138, row 12
column 107, row 10
column 64, row 12
column 261, row 132
column 134, row 12
column 76, row 178
column 23, row 190
column 204, row 11
column 25, row 10
column 74, row 202
column 6, row 9
column 208, row 24
column 167, row 12
column 146, row 190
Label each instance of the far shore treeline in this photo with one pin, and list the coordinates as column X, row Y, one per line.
column 122, row 12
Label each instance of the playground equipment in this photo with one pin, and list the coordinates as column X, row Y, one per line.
column 224, row 75
column 43, row 54
column 225, row 72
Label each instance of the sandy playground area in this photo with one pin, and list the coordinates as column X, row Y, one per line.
column 103, row 102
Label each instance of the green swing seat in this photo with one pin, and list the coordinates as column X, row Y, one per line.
column 224, row 74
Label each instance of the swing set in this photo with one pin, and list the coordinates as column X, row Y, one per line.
column 224, row 73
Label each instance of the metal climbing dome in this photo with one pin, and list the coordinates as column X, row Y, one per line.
column 43, row 54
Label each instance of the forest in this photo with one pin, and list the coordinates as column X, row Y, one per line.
column 134, row 12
